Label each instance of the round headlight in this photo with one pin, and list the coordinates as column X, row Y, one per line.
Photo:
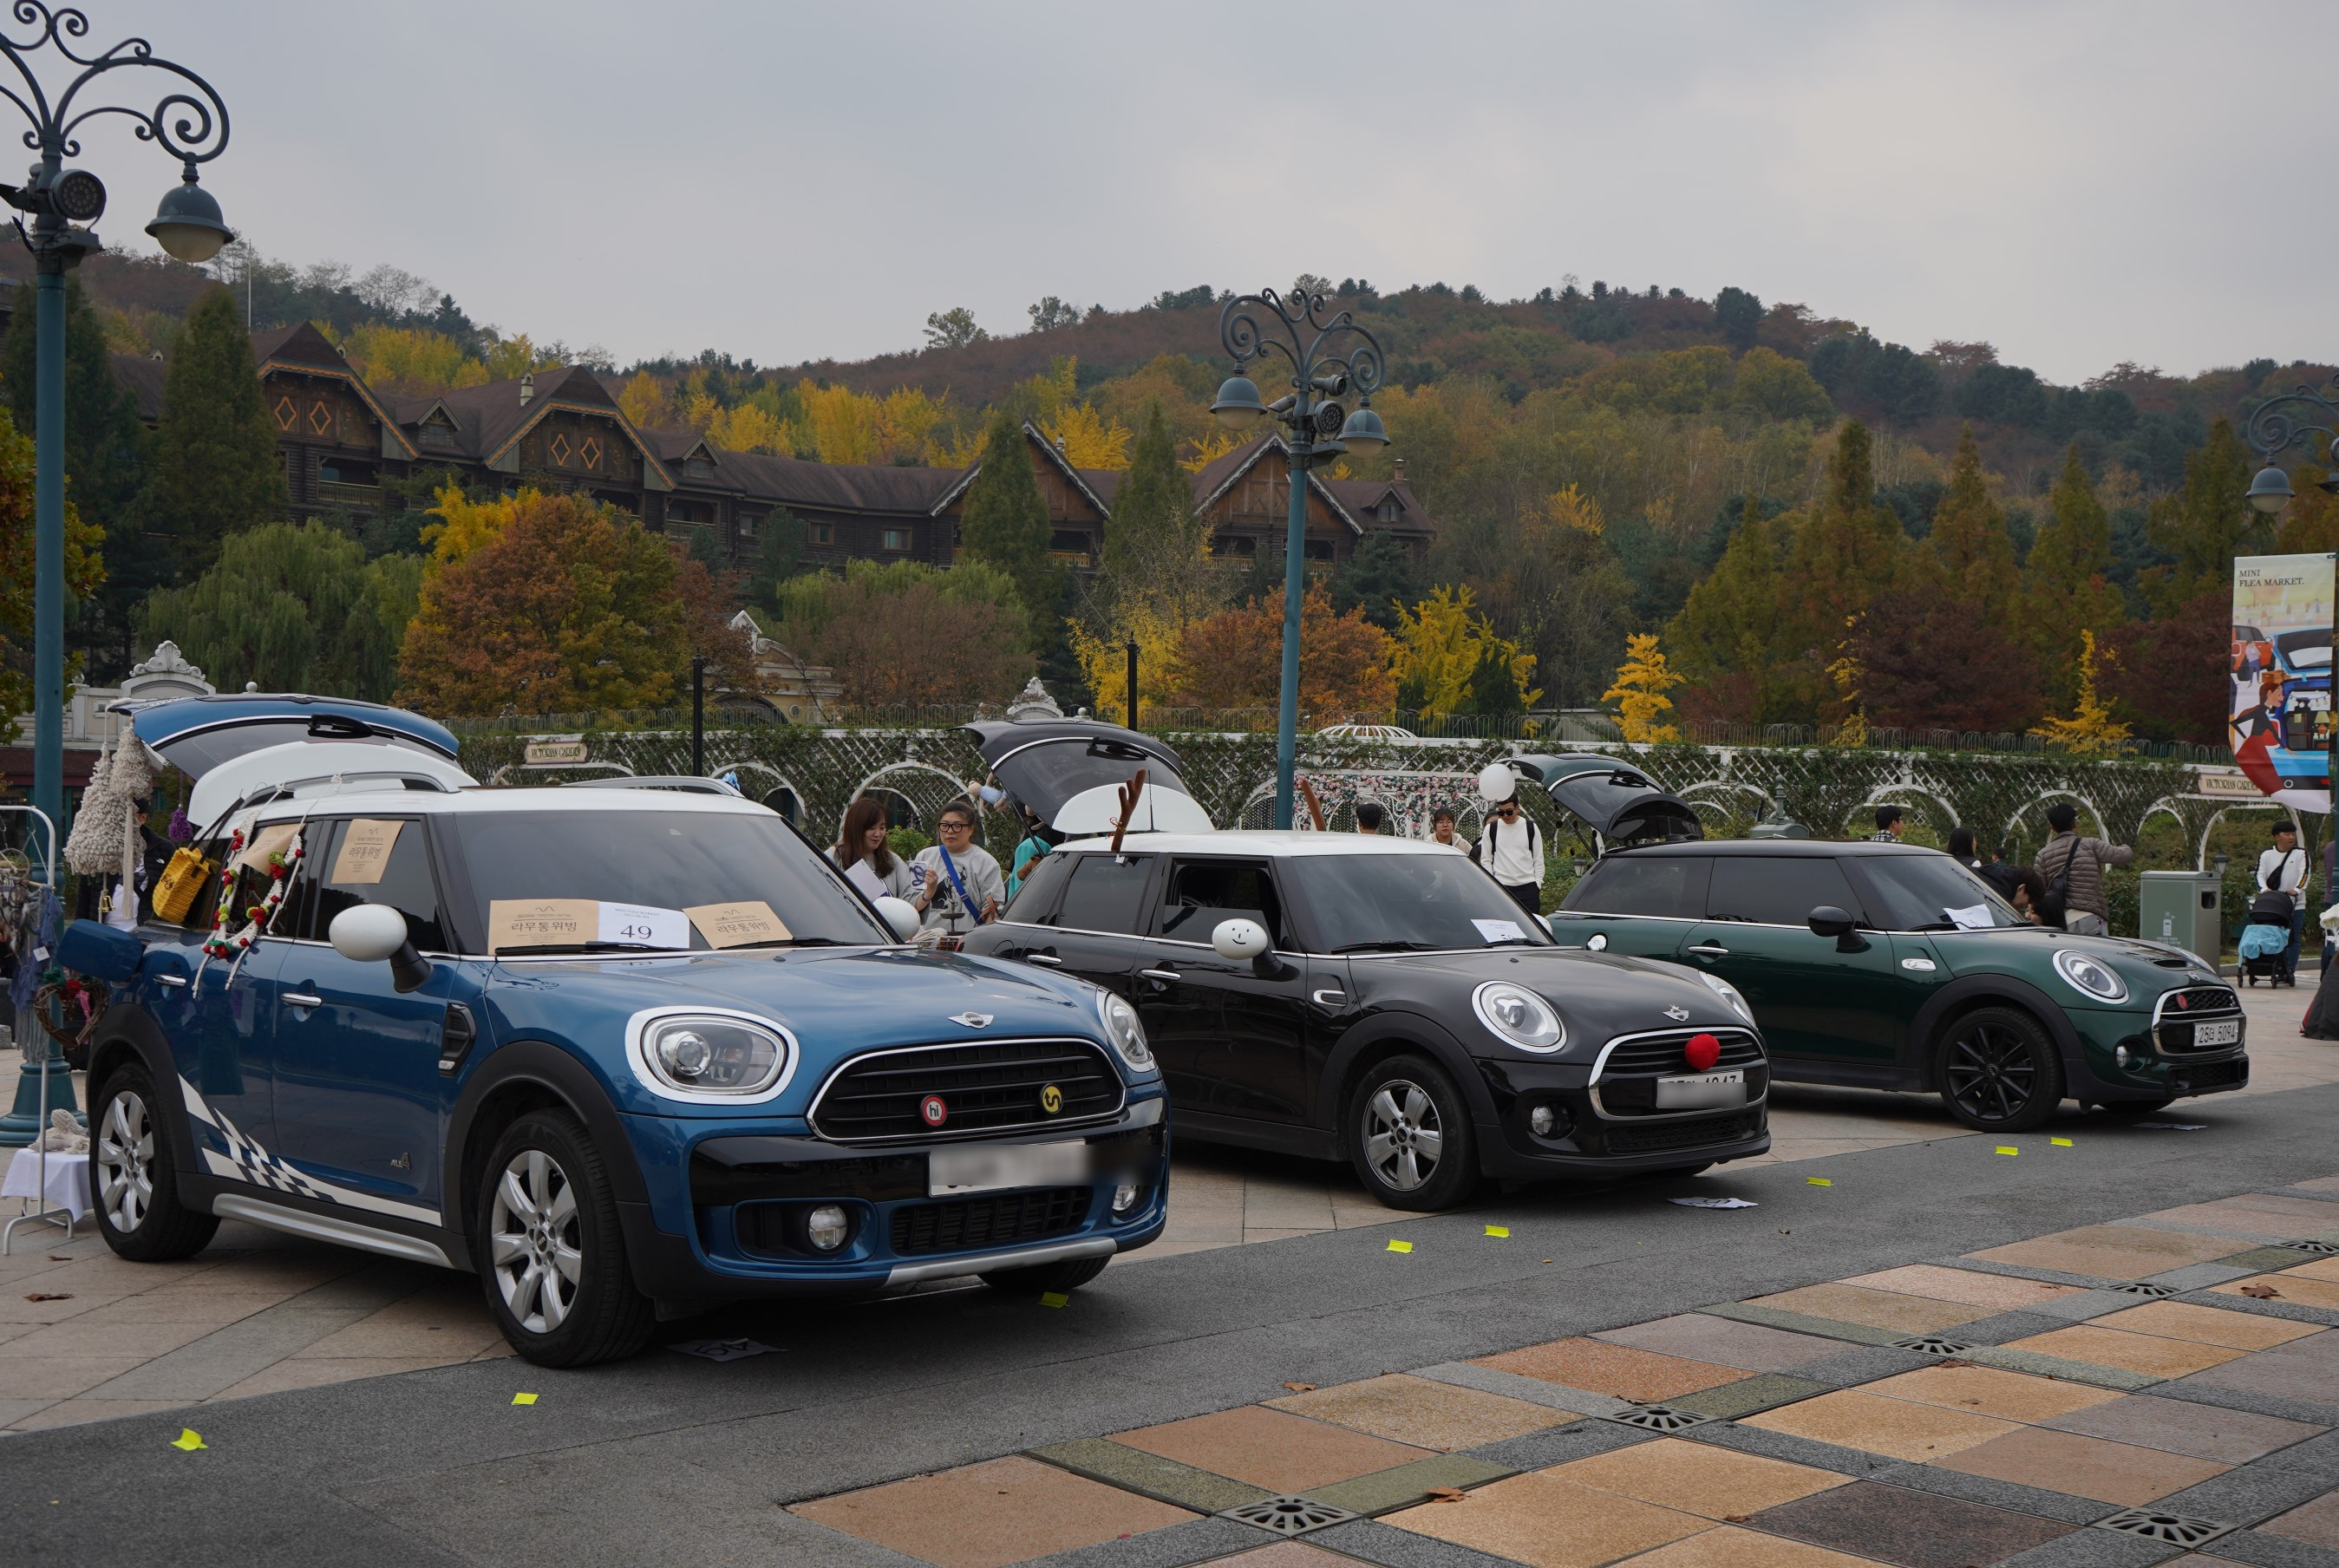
column 715, row 1055
column 2090, row 975
column 1727, row 992
column 1519, row 1016
column 1121, row 1027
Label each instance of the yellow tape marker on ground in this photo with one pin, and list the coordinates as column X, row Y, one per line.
column 2004, row 1150
column 1400, row 1246
column 1819, row 1181
column 188, row 1439
column 2060, row 1142
column 1054, row 1299
column 1502, row 1230
column 523, row 1399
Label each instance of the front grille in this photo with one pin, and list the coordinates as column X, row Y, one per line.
column 1663, row 1135
column 973, row 1223
column 2181, row 1009
column 2217, row 1074
column 1660, row 1055
column 984, row 1086
column 2196, row 999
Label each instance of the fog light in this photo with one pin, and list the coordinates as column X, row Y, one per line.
column 825, row 1227
column 1124, row 1197
column 2119, row 1054
column 1549, row 1120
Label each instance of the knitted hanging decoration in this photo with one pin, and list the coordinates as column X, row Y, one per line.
column 94, row 845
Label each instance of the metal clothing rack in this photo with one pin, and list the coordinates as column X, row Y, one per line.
column 58, row 1217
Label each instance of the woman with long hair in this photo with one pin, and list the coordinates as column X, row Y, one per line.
column 860, row 851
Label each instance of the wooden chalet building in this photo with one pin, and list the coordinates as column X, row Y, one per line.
column 562, row 430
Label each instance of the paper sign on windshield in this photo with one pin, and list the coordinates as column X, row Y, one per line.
column 1973, row 917
column 645, row 925
column 365, row 853
column 737, row 924
column 1500, row 929
column 541, row 922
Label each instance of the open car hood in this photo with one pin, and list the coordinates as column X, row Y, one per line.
column 1611, row 797
column 1051, row 764
column 196, row 734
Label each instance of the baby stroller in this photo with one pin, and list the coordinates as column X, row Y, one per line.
column 2265, row 938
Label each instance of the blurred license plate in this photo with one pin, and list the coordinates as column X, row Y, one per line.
column 1704, row 1090
column 988, row 1169
column 2224, row 1033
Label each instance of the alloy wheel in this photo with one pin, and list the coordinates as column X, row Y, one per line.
column 1992, row 1072
column 126, row 1148
column 536, row 1242
column 1403, row 1138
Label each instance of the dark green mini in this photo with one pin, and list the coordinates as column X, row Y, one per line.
column 1885, row 966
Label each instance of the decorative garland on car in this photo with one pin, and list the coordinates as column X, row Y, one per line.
column 229, row 947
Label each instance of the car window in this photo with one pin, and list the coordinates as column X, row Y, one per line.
column 1409, row 902
column 1671, row 885
column 1202, row 893
column 1777, row 889
column 1104, row 893
column 1042, row 885
column 384, row 861
column 1932, row 892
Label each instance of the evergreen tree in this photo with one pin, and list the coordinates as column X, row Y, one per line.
column 106, row 452
column 1730, row 638
column 215, row 470
column 1378, row 579
column 1850, row 550
column 2067, row 591
column 1154, row 510
column 1006, row 523
column 1969, row 554
column 2206, row 523
column 779, row 547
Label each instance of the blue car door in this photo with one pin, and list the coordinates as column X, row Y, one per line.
column 218, row 1019
column 361, row 1103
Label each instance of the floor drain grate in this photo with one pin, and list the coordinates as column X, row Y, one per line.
column 1288, row 1515
column 1934, row 1345
column 2175, row 1529
column 2143, row 1287
column 2325, row 1247
column 1658, row 1418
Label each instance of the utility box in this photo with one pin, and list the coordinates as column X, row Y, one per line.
column 2184, row 907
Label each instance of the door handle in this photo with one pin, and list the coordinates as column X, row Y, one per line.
column 171, row 980
column 1050, row 959
column 1331, row 997
column 302, row 998
column 1708, row 950
column 1168, row 975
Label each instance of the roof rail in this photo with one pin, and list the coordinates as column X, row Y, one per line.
column 689, row 784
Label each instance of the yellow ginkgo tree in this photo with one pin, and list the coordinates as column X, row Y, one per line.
column 2090, row 731
column 1639, row 690
column 1441, row 645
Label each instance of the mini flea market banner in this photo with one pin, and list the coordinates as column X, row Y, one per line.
column 2281, row 677
column 811, row 776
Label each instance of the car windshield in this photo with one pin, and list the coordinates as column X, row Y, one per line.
column 2311, row 646
column 1933, row 892
column 652, row 879
column 1409, row 903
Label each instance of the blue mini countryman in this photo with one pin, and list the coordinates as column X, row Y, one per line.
column 623, row 1053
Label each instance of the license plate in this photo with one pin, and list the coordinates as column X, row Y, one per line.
column 991, row 1168
column 2224, row 1033
column 1703, row 1091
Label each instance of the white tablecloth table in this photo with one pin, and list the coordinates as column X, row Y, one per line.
column 68, row 1174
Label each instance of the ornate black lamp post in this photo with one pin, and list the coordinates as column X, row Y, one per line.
column 2295, row 419
column 190, row 124
column 1329, row 360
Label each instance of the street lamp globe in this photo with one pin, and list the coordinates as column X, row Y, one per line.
column 2270, row 491
column 1237, row 406
column 1365, row 429
column 188, row 224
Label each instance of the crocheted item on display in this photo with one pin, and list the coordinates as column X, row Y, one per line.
column 95, row 844
column 63, row 1135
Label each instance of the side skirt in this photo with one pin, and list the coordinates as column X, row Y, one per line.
column 296, row 1217
column 1310, row 1143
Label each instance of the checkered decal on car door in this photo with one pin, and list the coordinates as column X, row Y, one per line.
column 244, row 1160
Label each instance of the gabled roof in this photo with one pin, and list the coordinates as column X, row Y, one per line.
column 1222, row 476
column 303, row 348
column 490, row 419
column 822, row 486
column 1364, row 498
column 1078, row 477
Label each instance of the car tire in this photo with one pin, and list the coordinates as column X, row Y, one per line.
column 2000, row 1070
column 551, row 1252
column 1046, row 1278
column 1407, row 1132
column 133, row 1187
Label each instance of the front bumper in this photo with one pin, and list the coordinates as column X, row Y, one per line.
column 1594, row 1141
column 2159, row 1065
column 725, row 1218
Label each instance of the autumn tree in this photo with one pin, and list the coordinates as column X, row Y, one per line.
column 1928, row 662
column 2091, row 730
column 904, row 633
column 1847, row 549
column 1969, row 554
column 2205, row 523
column 1005, row 522
column 1448, row 658
column 1234, row 659
column 1730, row 639
column 708, row 602
column 2065, row 588
column 570, row 607
column 84, row 566
column 215, row 468
column 296, row 607
column 1640, row 691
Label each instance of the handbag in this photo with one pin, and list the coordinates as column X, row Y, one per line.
column 182, row 881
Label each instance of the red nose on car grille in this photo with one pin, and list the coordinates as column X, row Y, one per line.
column 982, row 1086
column 1669, row 1053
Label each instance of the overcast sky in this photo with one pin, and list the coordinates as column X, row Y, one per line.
column 2077, row 183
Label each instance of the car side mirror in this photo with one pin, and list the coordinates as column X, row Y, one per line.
column 373, row 933
column 1829, row 921
column 100, row 951
column 900, row 915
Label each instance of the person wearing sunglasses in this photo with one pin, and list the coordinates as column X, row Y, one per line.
column 1510, row 850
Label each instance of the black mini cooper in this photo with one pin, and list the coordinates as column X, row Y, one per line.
column 1381, row 1001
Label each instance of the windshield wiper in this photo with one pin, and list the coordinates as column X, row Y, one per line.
column 1388, row 947
column 783, row 942
column 545, row 947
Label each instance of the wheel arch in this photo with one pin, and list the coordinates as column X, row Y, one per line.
column 1954, row 1001
column 515, row 1079
column 1374, row 1041
column 130, row 1034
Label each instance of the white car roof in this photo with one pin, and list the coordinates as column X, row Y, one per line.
column 1263, row 844
column 490, row 800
